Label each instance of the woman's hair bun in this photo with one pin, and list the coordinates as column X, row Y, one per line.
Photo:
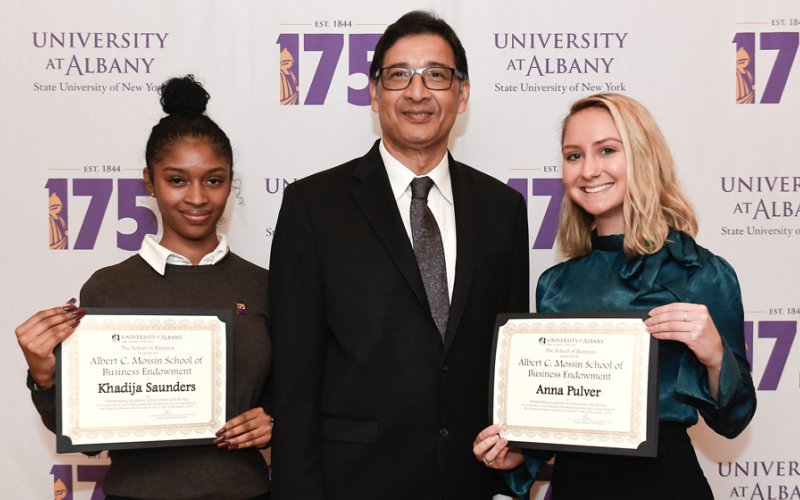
column 184, row 96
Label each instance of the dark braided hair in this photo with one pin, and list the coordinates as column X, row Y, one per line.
column 184, row 100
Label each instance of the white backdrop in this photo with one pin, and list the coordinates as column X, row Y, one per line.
column 78, row 104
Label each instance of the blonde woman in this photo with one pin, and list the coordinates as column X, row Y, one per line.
column 628, row 230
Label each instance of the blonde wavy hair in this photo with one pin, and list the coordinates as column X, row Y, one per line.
column 654, row 202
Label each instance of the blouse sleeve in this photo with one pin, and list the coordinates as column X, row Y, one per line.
column 520, row 479
column 716, row 286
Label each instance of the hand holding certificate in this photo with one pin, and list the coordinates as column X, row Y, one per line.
column 574, row 382
column 134, row 378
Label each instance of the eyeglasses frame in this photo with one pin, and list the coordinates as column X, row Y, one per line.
column 418, row 71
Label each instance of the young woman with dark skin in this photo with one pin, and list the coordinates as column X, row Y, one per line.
column 189, row 173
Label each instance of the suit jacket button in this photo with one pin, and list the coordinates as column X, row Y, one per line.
column 444, row 432
column 445, row 367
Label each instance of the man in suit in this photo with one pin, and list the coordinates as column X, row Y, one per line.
column 382, row 317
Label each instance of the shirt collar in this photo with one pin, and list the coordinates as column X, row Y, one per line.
column 158, row 256
column 400, row 176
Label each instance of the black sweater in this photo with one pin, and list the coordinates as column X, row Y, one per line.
column 195, row 472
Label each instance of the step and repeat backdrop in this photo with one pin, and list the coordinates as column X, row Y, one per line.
column 289, row 85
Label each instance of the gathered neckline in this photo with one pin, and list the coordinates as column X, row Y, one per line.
column 642, row 272
column 612, row 242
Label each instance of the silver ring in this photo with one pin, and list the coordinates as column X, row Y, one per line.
column 488, row 462
column 686, row 315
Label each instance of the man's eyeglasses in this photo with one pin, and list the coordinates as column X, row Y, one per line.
column 433, row 77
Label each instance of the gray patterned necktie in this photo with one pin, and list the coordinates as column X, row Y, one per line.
column 429, row 250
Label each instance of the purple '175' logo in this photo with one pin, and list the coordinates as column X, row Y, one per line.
column 785, row 42
column 99, row 192
column 330, row 45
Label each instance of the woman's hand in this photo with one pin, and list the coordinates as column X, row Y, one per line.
column 692, row 325
column 493, row 450
column 40, row 334
column 252, row 428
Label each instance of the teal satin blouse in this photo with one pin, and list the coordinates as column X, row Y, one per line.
column 682, row 271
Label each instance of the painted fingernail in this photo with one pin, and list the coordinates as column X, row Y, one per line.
column 222, row 431
column 68, row 308
column 231, row 446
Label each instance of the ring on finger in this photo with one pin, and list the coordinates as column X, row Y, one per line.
column 686, row 315
column 488, row 462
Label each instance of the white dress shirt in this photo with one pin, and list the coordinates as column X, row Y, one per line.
column 440, row 202
column 159, row 256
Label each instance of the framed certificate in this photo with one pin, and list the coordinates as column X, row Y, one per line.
column 136, row 378
column 576, row 382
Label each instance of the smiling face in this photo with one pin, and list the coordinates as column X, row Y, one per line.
column 595, row 169
column 191, row 183
column 418, row 120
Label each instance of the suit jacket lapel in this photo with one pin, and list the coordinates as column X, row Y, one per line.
column 467, row 202
column 373, row 193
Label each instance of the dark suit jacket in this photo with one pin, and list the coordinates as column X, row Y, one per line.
column 368, row 401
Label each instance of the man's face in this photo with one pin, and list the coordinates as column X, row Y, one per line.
column 417, row 118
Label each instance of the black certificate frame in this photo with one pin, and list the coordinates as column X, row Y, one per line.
column 647, row 448
column 64, row 442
